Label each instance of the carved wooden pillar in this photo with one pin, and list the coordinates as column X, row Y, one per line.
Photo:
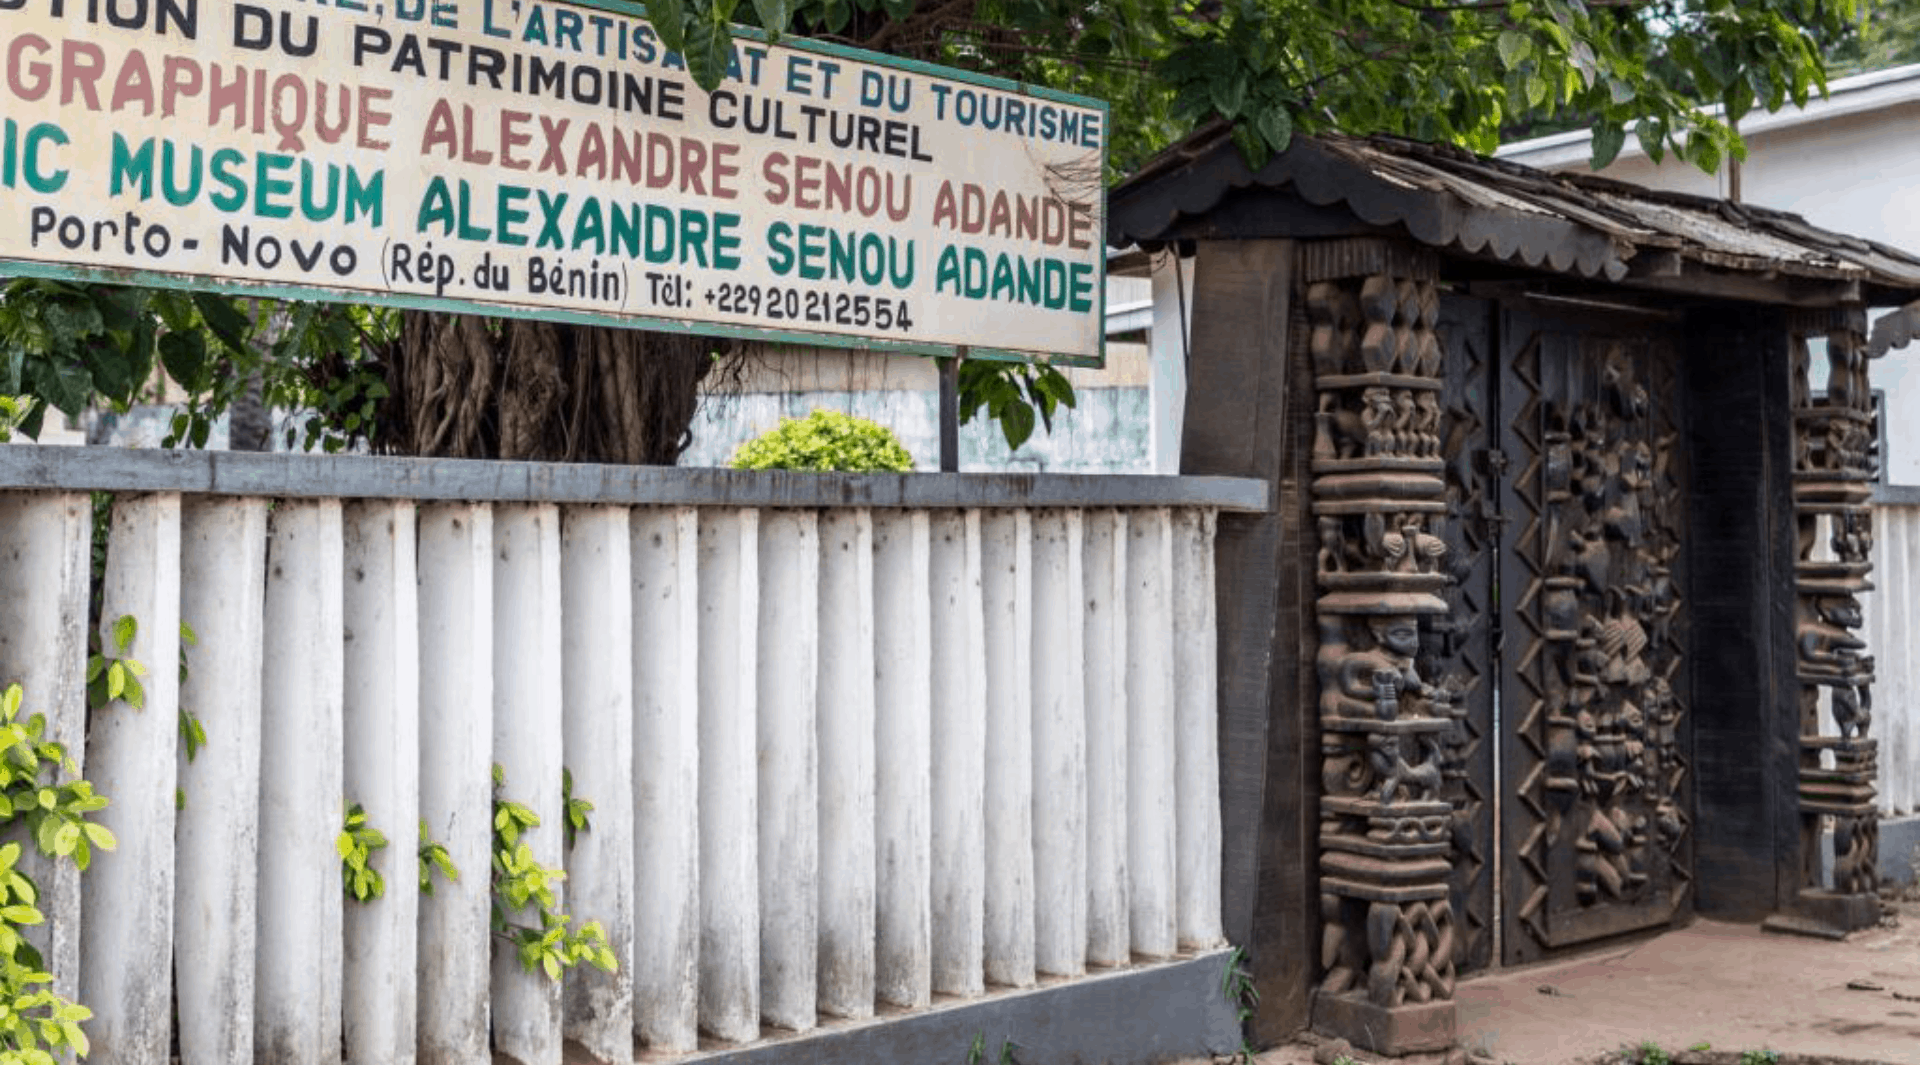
column 1833, row 473
column 1379, row 497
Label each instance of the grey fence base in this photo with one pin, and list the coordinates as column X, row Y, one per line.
column 1142, row 1016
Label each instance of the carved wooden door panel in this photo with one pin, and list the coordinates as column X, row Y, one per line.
column 1596, row 812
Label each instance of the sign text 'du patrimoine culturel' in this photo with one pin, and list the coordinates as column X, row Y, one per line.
column 550, row 159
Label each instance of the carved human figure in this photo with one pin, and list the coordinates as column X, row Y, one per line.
column 1828, row 647
column 1852, row 710
column 1333, row 546
column 1405, row 437
column 1427, row 424
column 1853, row 537
column 1376, row 681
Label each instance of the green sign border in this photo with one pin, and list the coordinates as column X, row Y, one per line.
column 200, row 283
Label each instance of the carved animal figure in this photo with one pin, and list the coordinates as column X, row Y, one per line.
column 1421, row 782
column 1376, row 418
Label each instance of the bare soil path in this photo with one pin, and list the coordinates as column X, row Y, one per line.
column 1732, row 987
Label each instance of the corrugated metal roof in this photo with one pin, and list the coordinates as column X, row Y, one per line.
column 1491, row 208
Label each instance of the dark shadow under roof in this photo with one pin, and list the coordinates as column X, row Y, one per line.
column 1489, row 209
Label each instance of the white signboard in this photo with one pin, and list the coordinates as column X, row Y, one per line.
column 551, row 160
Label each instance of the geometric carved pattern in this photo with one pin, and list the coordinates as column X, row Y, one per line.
column 1596, row 823
column 1833, row 474
column 1389, row 729
column 1460, row 643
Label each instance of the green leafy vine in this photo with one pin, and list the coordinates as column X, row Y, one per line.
column 524, row 913
column 35, row 1022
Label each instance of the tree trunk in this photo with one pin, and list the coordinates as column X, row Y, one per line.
column 467, row 387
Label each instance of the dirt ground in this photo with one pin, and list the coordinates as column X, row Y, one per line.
column 1720, row 988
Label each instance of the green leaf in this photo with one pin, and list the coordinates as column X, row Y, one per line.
column 1608, row 139
column 229, row 324
column 774, row 16
column 124, row 631
column 1276, row 125
column 709, row 47
column 184, row 355
column 1514, row 47
column 669, row 18
column 1229, row 93
column 1017, row 425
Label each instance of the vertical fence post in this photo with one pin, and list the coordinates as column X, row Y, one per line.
column 526, row 745
column 597, row 604
column 903, row 798
column 223, row 549
column 44, row 585
column 666, row 772
column 1006, row 570
column 1108, row 940
column 1059, row 744
column 729, row 799
column 456, row 751
column 297, row 990
column 845, row 709
column 959, row 773
column 1196, row 742
column 126, row 901
column 383, row 775
column 1150, row 733
column 789, row 789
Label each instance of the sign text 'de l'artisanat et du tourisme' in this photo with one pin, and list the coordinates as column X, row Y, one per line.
column 551, row 160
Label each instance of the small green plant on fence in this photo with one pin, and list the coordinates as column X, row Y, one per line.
column 37, row 1023
column 577, row 809
column 433, row 856
column 356, row 843
column 117, row 675
column 1236, row 983
column 522, row 884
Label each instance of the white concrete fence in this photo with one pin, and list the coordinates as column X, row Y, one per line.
column 1891, row 631
column 939, row 734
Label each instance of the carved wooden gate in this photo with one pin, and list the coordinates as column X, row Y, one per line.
column 1567, row 534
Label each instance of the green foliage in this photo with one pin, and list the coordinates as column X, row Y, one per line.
column 13, row 412
column 523, row 892
column 1437, row 70
column 1760, row 1057
column 1013, row 394
column 577, row 809
column 192, row 735
column 433, row 856
column 355, row 845
column 1887, row 34
column 117, row 675
column 1236, row 985
column 824, row 440
column 1651, row 1053
column 36, row 1023
column 316, row 358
